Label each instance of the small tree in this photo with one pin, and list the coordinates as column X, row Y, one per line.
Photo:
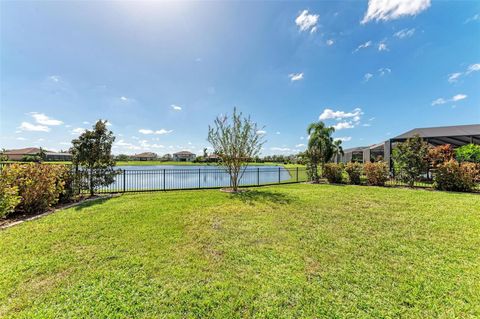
column 92, row 152
column 468, row 153
column 235, row 141
column 321, row 148
column 410, row 159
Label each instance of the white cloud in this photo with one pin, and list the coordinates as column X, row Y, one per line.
column 439, row 101
column 473, row 68
column 404, row 33
column 343, row 138
column 55, row 78
column 176, row 107
column 384, row 71
column 41, row 118
column 331, row 114
column 307, row 22
column 475, row 17
column 124, row 98
column 363, row 46
column 261, row 132
column 86, row 122
column 330, row 42
column 301, row 137
column 343, row 125
column 382, row 47
column 455, row 98
column 21, row 138
column 26, row 126
column 454, row 77
column 300, row 145
column 296, row 76
column 78, row 130
column 367, row 76
column 366, row 124
column 278, row 133
column 280, row 149
column 459, row 97
column 157, row 132
column 386, row 10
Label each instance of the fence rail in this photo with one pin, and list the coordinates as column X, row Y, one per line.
column 141, row 180
column 197, row 178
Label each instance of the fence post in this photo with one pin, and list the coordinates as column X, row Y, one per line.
column 279, row 175
column 124, row 182
column 199, row 183
column 258, row 175
column 163, row 179
column 297, row 174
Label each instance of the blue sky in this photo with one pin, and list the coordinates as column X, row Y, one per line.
column 161, row 72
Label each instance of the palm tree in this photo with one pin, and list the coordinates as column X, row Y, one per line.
column 320, row 147
column 337, row 148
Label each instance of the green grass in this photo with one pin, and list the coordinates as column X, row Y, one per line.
column 289, row 251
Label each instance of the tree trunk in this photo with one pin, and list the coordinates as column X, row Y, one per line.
column 91, row 183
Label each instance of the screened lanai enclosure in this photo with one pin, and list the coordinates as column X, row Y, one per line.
column 456, row 136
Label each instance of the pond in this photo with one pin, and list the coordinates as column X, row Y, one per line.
column 140, row 178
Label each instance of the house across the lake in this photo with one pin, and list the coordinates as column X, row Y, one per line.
column 184, row 156
column 22, row 153
column 147, row 156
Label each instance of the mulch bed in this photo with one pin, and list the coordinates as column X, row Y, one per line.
column 18, row 218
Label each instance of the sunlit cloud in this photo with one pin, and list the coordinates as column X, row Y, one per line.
column 26, row 126
column 176, row 107
column 41, row 118
column 404, row 33
column 296, row 76
column 157, row 132
column 382, row 10
column 363, row 46
column 307, row 22
column 331, row 114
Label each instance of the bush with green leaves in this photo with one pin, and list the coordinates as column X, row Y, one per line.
column 333, row 172
column 354, row 171
column 39, row 185
column 468, row 153
column 9, row 198
column 454, row 176
column 376, row 173
column 410, row 159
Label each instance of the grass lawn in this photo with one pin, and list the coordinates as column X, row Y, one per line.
column 289, row 251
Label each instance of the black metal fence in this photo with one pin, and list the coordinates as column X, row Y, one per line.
column 138, row 180
column 142, row 180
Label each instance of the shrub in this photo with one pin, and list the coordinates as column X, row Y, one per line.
column 333, row 172
column 468, row 153
column 354, row 170
column 376, row 173
column 39, row 186
column 410, row 158
column 9, row 198
column 453, row 176
column 440, row 154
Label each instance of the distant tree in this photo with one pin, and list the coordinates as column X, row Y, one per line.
column 337, row 148
column 205, row 154
column 236, row 141
column 122, row 157
column 92, row 151
column 411, row 159
column 31, row 158
column 42, row 154
column 3, row 156
column 321, row 148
